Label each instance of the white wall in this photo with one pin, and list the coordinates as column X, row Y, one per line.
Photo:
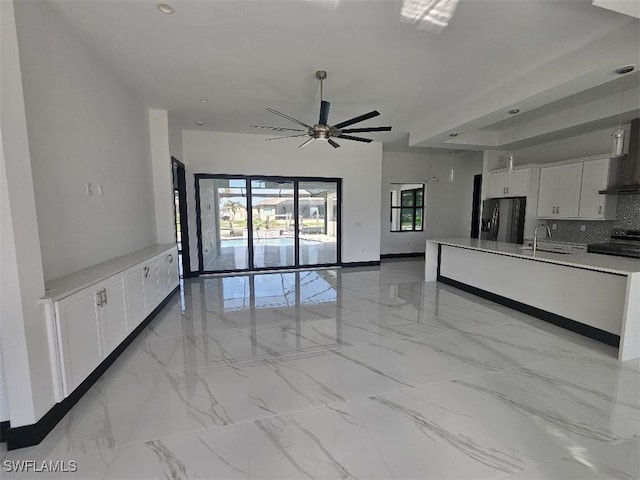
column 358, row 164
column 175, row 139
column 447, row 204
column 22, row 330
column 84, row 126
column 162, row 176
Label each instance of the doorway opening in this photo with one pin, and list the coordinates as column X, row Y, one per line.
column 248, row 223
column 180, row 214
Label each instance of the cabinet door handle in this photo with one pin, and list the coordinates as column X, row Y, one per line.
column 104, row 293
column 558, row 209
column 507, row 189
column 99, row 295
column 146, row 272
column 600, row 209
column 170, row 258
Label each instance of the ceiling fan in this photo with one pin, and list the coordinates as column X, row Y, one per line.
column 322, row 129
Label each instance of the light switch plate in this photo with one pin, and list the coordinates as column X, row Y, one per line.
column 554, row 226
column 583, row 228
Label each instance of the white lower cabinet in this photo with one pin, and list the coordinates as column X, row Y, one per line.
column 168, row 272
column 150, row 282
column 112, row 314
column 78, row 337
column 134, row 297
column 91, row 322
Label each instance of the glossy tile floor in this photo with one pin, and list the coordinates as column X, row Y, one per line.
column 352, row 373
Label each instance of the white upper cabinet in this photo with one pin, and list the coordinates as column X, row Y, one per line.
column 509, row 184
column 518, row 182
column 568, row 192
column 559, row 193
column 595, row 177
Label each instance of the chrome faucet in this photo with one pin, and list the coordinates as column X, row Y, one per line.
column 535, row 235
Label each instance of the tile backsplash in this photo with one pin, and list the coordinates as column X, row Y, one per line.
column 627, row 216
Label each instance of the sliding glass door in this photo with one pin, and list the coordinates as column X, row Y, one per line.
column 257, row 222
column 223, row 239
column 273, row 223
column 318, row 219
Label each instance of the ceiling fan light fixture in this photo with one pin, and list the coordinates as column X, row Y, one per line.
column 322, row 129
column 433, row 15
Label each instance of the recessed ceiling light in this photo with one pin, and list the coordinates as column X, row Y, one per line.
column 165, row 8
column 200, row 123
column 623, row 70
column 204, row 100
column 513, row 111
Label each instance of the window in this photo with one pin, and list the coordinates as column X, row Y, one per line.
column 407, row 207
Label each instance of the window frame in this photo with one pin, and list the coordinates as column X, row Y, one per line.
column 400, row 208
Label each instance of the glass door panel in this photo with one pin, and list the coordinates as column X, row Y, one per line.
column 318, row 220
column 273, row 220
column 224, row 241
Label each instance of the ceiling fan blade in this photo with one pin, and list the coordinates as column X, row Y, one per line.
column 357, row 139
column 366, row 129
column 279, row 129
column 288, row 136
column 306, row 142
column 333, row 143
column 361, row 118
column 324, row 112
column 291, row 119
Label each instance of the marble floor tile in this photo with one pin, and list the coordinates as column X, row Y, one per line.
column 619, row 460
column 351, row 373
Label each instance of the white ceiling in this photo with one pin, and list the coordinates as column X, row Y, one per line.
column 553, row 59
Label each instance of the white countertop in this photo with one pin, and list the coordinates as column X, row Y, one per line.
column 591, row 261
column 69, row 284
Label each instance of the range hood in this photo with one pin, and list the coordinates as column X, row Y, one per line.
column 630, row 177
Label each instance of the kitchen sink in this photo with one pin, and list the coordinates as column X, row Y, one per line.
column 543, row 249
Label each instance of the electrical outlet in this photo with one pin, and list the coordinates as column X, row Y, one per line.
column 583, row 228
column 554, row 226
column 89, row 189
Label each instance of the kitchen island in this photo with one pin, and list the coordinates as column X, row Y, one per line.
column 595, row 295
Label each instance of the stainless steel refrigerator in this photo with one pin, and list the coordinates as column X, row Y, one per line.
column 503, row 219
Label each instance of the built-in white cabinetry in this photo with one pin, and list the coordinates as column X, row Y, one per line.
column 134, row 297
column 111, row 313
column 559, row 194
column 92, row 312
column 167, row 273
column 570, row 191
column 150, row 284
column 78, row 337
column 593, row 205
column 513, row 183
